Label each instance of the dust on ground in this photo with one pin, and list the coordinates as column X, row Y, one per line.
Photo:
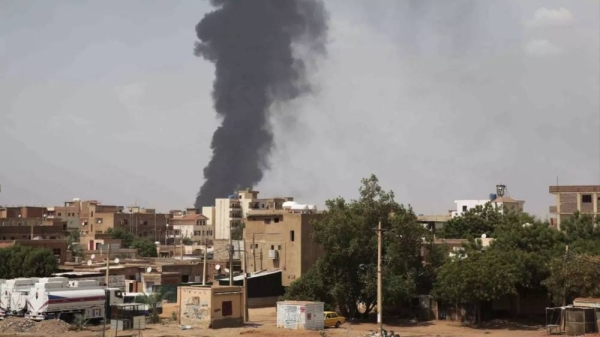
column 263, row 325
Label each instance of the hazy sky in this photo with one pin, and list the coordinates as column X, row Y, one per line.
column 441, row 99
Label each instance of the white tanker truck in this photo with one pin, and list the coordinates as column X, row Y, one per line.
column 60, row 300
column 14, row 294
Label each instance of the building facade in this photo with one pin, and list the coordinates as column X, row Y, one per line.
column 194, row 227
column 584, row 199
column 498, row 199
column 281, row 239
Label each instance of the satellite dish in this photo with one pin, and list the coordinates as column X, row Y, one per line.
column 218, row 267
column 226, row 271
column 93, row 256
column 149, row 270
column 89, row 263
column 483, row 236
column 117, row 260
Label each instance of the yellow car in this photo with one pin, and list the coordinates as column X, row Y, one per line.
column 333, row 320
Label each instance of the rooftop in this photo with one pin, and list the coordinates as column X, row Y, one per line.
column 574, row 189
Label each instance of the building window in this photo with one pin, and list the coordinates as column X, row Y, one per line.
column 464, row 208
column 56, row 251
column 586, row 198
column 227, row 308
column 59, row 214
column 272, row 247
column 278, row 247
column 292, row 236
column 276, row 220
column 256, row 245
column 92, row 214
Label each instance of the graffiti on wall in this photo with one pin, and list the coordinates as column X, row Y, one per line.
column 196, row 309
column 291, row 317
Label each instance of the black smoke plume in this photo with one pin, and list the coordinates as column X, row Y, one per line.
column 252, row 44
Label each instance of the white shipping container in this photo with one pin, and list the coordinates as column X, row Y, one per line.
column 300, row 315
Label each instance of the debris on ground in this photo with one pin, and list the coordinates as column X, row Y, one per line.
column 23, row 325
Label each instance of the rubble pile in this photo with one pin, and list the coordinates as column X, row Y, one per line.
column 22, row 325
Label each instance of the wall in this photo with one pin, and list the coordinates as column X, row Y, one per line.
column 195, row 306
column 235, row 296
column 469, row 204
column 24, row 232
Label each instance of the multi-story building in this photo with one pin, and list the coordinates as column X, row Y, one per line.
column 26, row 223
column 281, row 239
column 576, row 198
column 75, row 212
column 193, row 226
column 229, row 213
column 141, row 222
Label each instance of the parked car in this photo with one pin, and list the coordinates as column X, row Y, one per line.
column 333, row 320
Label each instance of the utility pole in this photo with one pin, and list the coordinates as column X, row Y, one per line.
column 246, row 316
column 204, row 267
column 379, row 286
column 254, row 252
column 230, row 257
column 106, row 281
column 564, row 299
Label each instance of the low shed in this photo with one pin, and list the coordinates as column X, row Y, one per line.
column 300, row 315
column 211, row 307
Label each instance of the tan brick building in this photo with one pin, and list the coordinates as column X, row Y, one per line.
column 57, row 247
column 281, row 239
column 570, row 199
column 193, row 226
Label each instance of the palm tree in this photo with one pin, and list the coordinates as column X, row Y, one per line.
column 152, row 300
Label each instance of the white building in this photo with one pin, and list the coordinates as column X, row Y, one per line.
column 229, row 213
column 497, row 199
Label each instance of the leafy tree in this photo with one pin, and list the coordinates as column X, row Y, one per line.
column 473, row 223
column 20, row 261
column 73, row 243
column 347, row 233
column 122, row 234
column 477, row 275
column 145, row 247
column 576, row 276
column 187, row 241
column 238, row 232
column 582, row 234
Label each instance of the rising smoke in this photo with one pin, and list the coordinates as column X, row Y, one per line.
column 252, row 44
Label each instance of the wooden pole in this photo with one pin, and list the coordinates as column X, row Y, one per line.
column 254, row 252
column 246, row 316
column 379, row 285
column 204, row 267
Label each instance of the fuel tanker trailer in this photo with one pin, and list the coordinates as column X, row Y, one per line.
column 57, row 300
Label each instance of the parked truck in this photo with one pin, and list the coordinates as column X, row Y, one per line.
column 14, row 295
column 64, row 300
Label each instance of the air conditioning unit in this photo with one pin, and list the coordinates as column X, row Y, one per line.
column 273, row 254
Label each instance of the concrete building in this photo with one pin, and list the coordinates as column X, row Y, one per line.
column 229, row 213
column 211, row 307
column 194, row 227
column 570, row 199
column 281, row 239
column 434, row 222
column 143, row 223
column 74, row 212
column 498, row 199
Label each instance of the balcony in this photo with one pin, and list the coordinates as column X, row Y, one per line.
column 235, row 215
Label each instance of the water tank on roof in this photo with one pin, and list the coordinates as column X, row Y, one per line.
column 312, row 208
column 299, row 207
column 288, row 204
column 493, row 196
column 232, row 196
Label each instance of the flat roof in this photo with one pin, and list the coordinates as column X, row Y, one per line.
column 574, row 188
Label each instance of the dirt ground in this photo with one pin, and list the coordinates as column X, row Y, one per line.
column 263, row 325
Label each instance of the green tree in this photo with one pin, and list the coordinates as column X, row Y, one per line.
column 73, row 243
column 574, row 277
column 478, row 275
column 582, row 234
column 122, row 234
column 145, row 247
column 152, row 300
column 238, row 232
column 20, row 261
column 473, row 223
column 347, row 233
